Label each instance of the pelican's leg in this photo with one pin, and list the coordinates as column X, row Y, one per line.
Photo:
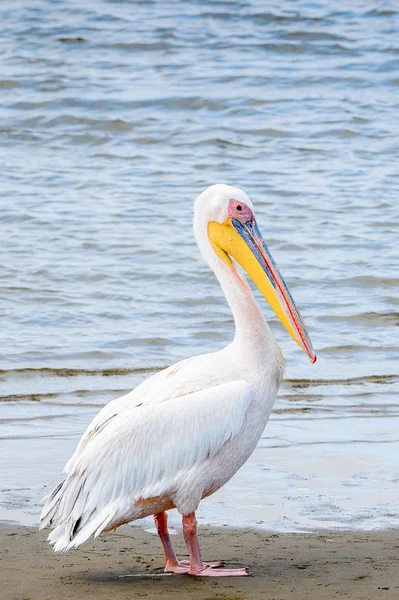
column 197, row 566
column 161, row 523
column 172, row 564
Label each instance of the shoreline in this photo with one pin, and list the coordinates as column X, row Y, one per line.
column 129, row 563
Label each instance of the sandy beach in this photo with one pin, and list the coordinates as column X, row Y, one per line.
column 129, row 564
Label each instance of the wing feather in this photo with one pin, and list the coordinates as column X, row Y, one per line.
column 187, row 376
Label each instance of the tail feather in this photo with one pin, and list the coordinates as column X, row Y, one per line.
column 66, row 508
column 51, row 504
column 71, row 534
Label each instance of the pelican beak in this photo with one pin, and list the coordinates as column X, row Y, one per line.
column 244, row 243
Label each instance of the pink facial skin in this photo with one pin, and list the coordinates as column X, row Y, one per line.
column 240, row 211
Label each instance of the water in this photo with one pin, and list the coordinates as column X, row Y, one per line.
column 113, row 117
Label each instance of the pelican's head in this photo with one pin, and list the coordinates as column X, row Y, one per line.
column 225, row 216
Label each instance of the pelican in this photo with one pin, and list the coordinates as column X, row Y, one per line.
column 183, row 433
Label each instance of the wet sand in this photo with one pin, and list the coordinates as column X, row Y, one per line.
column 283, row 566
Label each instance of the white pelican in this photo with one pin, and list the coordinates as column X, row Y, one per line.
column 184, row 432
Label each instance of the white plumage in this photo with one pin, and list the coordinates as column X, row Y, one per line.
column 144, row 452
column 182, row 433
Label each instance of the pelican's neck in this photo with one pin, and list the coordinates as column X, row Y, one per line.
column 252, row 333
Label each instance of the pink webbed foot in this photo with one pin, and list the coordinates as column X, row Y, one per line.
column 212, row 565
column 209, row 572
column 182, row 567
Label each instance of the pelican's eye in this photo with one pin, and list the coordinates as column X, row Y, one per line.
column 239, row 210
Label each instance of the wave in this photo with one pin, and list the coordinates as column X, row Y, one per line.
column 120, row 371
column 75, row 372
column 378, row 379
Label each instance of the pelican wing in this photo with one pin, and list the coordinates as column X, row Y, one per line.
column 187, row 376
column 141, row 452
